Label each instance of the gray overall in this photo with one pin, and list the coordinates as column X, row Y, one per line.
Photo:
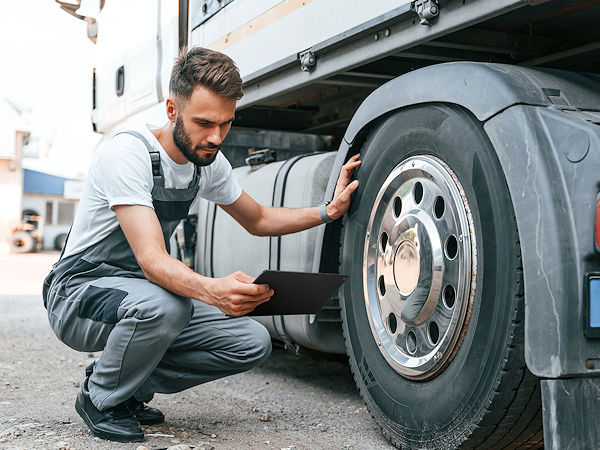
column 152, row 340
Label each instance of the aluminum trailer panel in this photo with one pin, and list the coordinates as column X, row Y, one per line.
column 270, row 56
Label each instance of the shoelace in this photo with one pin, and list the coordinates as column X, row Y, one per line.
column 119, row 412
column 134, row 405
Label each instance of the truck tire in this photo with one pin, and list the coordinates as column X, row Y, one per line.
column 22, row 242
column 60, row 241
column 433, row 312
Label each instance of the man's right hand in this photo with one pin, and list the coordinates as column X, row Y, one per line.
column 236, row 294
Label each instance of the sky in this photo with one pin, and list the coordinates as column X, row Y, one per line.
column 46, row 67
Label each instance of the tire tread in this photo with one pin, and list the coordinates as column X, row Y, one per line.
column 520, row 422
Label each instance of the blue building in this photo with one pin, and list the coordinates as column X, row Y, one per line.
column 53, row 198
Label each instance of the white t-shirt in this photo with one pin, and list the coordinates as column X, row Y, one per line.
column 121, row 174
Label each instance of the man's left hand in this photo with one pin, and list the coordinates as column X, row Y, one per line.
column 344, row 189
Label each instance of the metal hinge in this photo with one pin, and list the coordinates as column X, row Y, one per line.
column 209, row 8
column 308, row 61
column 426, row 10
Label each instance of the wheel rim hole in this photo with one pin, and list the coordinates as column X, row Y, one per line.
column 434, row 332
column 439, row 207
column 449, row 296
column 381, row 286
column 418, row 192
column 451, row 247
column 411, row 342
column 392, row 323
column 383, row 241
column 397, row 207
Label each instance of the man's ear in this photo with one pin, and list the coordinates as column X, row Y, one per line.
column 171, row 110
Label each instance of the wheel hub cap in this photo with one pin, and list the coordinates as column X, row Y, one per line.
column 406, row 267
column 420, row 260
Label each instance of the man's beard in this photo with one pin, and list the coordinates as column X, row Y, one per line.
column 184, row 144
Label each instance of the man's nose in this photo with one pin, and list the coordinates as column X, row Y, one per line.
column 214, row 137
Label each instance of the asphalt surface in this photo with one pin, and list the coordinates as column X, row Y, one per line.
column 288, row 402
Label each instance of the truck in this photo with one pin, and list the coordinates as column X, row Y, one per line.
column 471, row 316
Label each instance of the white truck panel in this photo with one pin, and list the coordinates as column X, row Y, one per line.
column 233, row 16
column 258, row 36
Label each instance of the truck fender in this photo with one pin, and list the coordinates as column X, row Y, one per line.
column 551, row 161
column 516, row 104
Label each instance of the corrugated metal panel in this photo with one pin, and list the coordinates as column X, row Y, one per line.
column 42, row 183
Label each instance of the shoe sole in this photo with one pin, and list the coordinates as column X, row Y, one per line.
column 102, row 433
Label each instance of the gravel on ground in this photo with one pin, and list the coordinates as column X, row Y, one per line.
column 289, row 402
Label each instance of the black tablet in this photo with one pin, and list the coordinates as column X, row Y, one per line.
column 297, row 292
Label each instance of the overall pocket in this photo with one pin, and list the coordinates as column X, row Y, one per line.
column 101, row 304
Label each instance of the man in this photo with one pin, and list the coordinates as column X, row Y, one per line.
column 161, row 326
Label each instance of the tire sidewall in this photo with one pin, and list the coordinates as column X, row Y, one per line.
column 60, row 240
column 454, row 399
column 26, row 238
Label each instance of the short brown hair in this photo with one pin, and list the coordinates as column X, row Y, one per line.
column 203, row 67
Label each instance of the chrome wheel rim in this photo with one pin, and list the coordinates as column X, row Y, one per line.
column 420, row 267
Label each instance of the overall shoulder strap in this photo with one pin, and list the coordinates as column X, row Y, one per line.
column 195, row 178
column 157, row 173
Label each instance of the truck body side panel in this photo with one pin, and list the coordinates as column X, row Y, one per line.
column 387, row 33
column 257, row 34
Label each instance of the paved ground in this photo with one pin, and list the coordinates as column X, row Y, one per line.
column 289, row 402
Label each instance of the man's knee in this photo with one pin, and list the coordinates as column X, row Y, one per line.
column 168, row 315
column 259, row 342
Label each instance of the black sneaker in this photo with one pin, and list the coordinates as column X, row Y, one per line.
column 115, row 424
column 145, row 414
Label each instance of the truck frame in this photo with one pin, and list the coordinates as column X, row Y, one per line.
column 472, row 313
